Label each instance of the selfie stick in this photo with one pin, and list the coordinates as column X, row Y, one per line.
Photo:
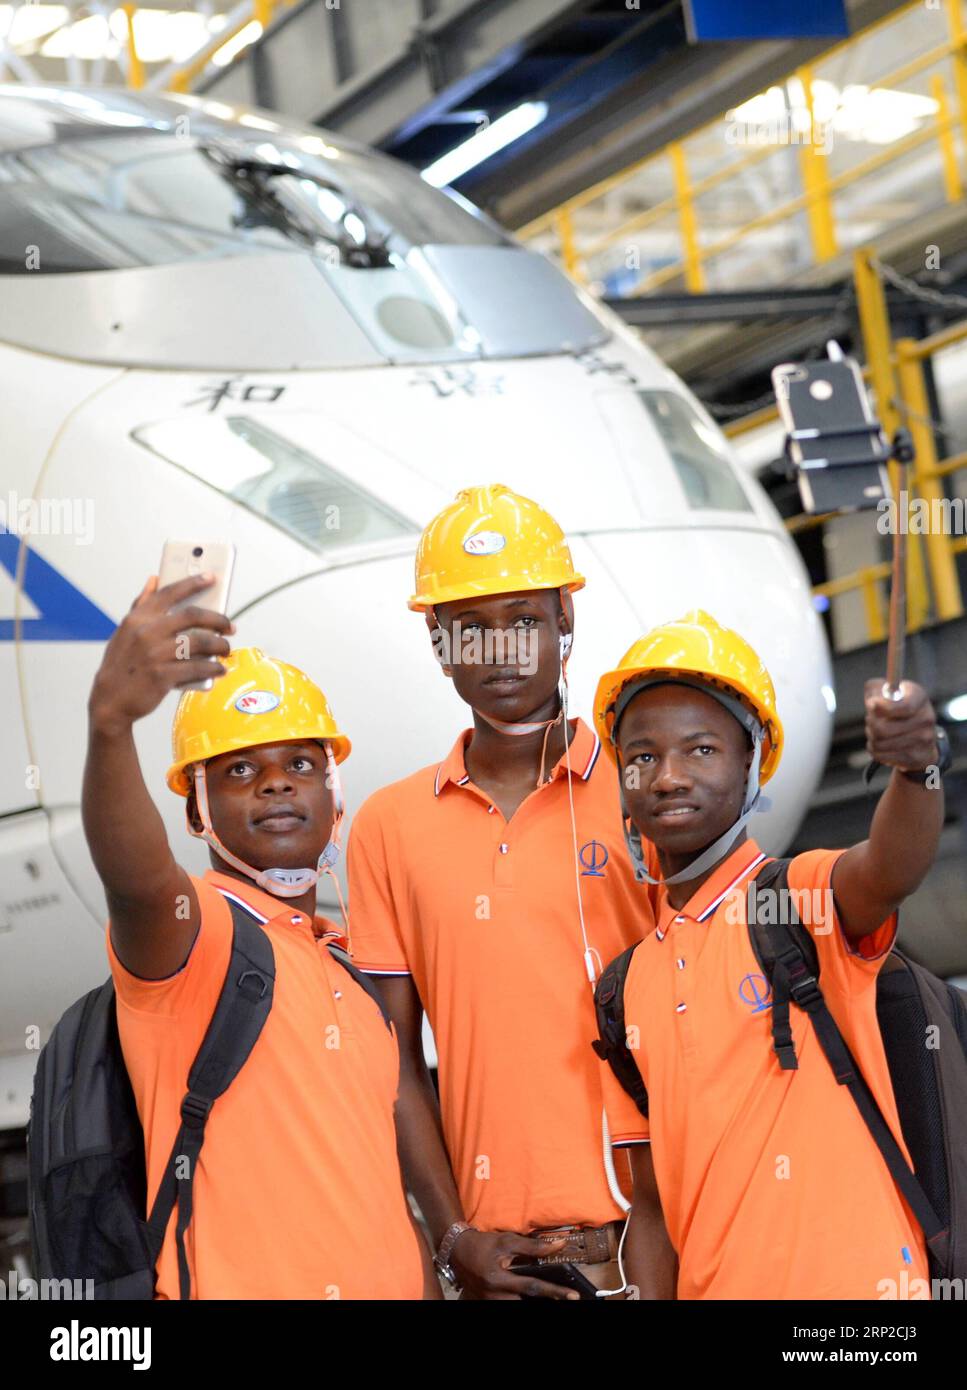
column 902, row 452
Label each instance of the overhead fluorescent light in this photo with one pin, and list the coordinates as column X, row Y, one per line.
column 231, row 48
column 485, row 143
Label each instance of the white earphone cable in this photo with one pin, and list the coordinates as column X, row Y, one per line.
column 592, row 965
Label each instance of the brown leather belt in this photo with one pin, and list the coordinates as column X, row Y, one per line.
column 586, row 1245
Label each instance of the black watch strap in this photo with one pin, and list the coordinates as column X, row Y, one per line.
column 945, row 757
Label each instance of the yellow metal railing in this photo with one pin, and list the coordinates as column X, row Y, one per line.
column 261, row 11
column 895, row 372
column 179, row 76
column 584, row 250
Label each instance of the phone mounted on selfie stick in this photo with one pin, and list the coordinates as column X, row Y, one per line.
column 836, row 450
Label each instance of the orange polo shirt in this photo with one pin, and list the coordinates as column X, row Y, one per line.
column 483, row 913
column 770, row 1182
column 298, row 1192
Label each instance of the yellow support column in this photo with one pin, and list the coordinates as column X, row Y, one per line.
column 135, row 65
column 948, row 602
column 565, row 235
column 875, row 325
column 815, row 177
column 694, row 271
column 875, row 620
column 948, row 145
column 958, row 37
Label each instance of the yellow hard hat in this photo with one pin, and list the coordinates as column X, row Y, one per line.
column 491, row 541
column 258, row 700
column 697, row 647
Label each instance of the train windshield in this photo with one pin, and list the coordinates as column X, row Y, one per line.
column 698, row 452
column 423, row 274
column 116, row 200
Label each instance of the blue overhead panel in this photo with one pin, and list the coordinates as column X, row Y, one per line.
column 764, row 19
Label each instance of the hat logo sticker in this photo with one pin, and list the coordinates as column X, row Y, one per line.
column 485, row 543
column 256, row 702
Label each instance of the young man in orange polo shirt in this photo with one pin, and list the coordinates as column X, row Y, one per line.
column 487, row 889
column 770, row 1183
column 297, row 1191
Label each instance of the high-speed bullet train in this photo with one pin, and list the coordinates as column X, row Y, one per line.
column 216, row 325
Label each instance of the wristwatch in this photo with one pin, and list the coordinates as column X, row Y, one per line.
column 944, row 758
column 441, row 1259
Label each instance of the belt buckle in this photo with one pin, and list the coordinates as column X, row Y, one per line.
column 571, row 1234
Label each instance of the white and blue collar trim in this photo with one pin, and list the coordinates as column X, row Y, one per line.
column 259, row 917
column 744, row 873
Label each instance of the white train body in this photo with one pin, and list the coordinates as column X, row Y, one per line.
column 311, row 370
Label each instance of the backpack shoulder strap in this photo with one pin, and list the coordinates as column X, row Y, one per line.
column 364, row 982
column 243, row 1006
column 779, row 939
column 790, row 961
column 612, row 1045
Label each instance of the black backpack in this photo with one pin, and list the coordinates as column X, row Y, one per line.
column 85, row 1145
column 929, row 1082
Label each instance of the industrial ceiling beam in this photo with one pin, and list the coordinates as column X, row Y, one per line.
column 734, row 306
column 674, row 97
column 411, row 75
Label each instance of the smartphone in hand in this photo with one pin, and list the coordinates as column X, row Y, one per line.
column 182, row 559
column 564, row 1274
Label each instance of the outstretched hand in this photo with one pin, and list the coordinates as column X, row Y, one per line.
column 157, row 648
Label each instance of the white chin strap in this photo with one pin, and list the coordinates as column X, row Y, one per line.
column 534, row 727
column 284, row 883
column 515, row 730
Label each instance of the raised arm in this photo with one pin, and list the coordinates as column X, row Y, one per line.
column 871, row 879
column 153, row 907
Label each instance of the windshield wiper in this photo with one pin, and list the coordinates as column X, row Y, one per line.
column 252, row 178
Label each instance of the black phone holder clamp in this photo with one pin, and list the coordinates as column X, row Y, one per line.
column 871, row 431
column 901, row 449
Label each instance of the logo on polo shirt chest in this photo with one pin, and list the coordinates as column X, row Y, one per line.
column 756, row 993
column 593, row 857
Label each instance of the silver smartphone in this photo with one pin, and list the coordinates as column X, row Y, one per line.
column 839, row 461
column 181, row 559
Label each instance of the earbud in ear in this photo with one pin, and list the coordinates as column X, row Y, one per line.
column 565, row 644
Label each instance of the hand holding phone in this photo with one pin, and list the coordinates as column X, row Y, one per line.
column 140, row 663
column 190, row 559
